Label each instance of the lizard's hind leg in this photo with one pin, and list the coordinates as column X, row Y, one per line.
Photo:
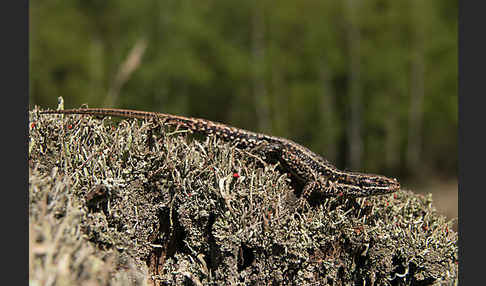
column 309, row 188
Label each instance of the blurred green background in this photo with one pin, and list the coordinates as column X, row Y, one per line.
column 371, row 85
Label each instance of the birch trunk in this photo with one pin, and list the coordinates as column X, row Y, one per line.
column 416, row 90
column 258, row 54
column 354, row 132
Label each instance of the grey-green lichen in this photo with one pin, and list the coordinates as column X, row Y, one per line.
column 133, row 203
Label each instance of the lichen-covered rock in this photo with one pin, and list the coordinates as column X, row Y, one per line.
column 132, row 202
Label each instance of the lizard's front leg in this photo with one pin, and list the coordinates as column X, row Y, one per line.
column 270, row 151
column 321, row 185
column 309, row 188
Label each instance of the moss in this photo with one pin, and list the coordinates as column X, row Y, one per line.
column 150, row 204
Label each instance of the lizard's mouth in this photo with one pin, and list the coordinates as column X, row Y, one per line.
column 379, row 184
column 358, row 184
column 379, row 181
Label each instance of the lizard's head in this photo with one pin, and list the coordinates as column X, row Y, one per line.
column 362, row 185
column 377, row 184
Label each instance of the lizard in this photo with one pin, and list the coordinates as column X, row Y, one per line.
column 315, row 173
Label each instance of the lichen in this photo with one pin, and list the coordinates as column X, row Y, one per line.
column 146, row 203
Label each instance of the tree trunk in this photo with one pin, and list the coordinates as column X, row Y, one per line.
column 416, row 90
column 262, row 103
column 392, row 133
column 354, row 136
column 328, row 115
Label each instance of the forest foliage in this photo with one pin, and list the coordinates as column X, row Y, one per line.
column 371, row 85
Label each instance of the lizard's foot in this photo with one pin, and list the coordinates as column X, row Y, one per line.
column 309, row 187
column 306, row 192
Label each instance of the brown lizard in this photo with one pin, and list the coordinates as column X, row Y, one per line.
column 314, row 172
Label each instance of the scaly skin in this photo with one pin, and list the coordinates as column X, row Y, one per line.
column 313, row 171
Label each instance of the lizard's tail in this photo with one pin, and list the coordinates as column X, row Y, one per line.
column 193, row 124
column 105, row 112
column 246, row 138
